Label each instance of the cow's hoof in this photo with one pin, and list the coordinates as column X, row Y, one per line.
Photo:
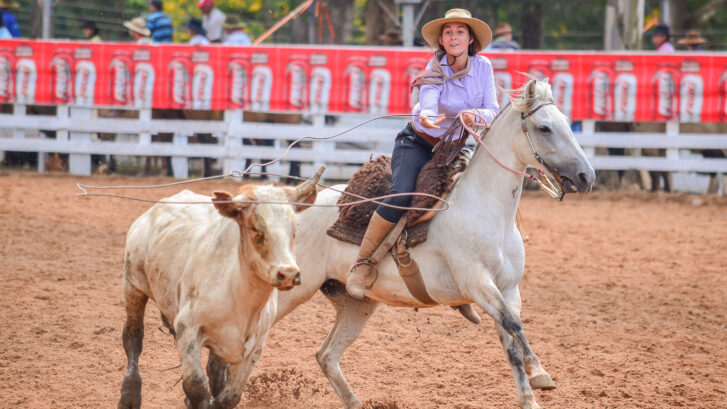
column 530, row 405
column 543, row 382
column 130, row 392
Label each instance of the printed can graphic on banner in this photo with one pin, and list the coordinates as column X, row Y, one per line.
column 691, row 92
column 624, row 91
column 238, row 81
column 179, row 81
column 503, row 80
column 261, row 87
column 61, row 77
column 203, row 79
column 600, row 97
column 413, row 67
column 379, row 85
column 120, row 78
column 144, row 76
column 723, row 95
column 539, row 69
column 355, row 84
column 296, row 83
column 26, row 75
column 320, row 84
column 85, row 82
column 562, row 86
column 7, row 80
column 665, row 100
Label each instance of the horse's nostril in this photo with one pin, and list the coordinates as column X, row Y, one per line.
column 582, row 179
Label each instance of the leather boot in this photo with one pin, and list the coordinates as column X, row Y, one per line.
column 362, row 273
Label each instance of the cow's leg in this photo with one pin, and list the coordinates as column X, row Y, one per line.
column 230, row 395
column 132, row 338
column 351, row 318
column 216, row 373
column 194, row 382
column 489, row 298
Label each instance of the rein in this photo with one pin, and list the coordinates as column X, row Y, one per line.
column 542, row 180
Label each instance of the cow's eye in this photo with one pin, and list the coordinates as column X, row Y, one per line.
column 544, row 129
column 258, row 235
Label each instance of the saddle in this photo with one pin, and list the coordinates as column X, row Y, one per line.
column 373, row 179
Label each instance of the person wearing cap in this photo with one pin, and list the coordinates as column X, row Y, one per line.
column 233, row 31
column 159, row 23
column 693, row 41
column 90, row 31
column 212, row 19
column 503, row 38
column 660, row 39
column 197, row 33
column 456, row 80
column 138, row 31
column 8, row 18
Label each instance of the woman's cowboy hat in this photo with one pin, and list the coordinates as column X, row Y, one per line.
column 692, row 38
column 433, row 29
column 233, row 22
column 137, row 25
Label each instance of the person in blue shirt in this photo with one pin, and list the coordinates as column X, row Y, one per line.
column 159, row 23
column 9, row 20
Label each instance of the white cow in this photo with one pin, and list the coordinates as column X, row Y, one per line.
column 213, row 271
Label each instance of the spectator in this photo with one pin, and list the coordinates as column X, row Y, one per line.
column 660, row 39
column 159, row 24
column 392, row 37
column 503, row 38
column 212, row 19
column 693, row 41
column 4, row 32
column 8, row 18
column 138, row 31
column 233, row 31
column 90, row 31
column 197, row 32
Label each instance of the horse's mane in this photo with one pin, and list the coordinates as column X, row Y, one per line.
column 520, row 100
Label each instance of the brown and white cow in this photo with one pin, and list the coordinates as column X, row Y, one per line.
column 214, row 272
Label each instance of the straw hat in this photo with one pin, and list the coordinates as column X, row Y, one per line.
column 432, row 30
column 137, row 25
column 233, row 22
column 8, row 4
column 692, row 38
column 502, row 28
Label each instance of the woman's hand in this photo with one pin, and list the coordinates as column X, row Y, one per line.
column 427, row 123
column 468, row 117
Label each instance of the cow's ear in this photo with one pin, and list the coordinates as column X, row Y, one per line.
column 306, row 192
column 227, row 209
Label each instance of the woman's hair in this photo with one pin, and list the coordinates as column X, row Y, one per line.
column 473, row 48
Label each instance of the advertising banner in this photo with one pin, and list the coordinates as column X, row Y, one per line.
column 646, row 86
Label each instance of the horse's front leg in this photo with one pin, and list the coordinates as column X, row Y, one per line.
column 351, row 317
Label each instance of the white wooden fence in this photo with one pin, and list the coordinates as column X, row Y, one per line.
column 76, row 130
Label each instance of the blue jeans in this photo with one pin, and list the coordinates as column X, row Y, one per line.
column 410, row 154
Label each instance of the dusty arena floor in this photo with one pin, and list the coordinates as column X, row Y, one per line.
column 624, row 299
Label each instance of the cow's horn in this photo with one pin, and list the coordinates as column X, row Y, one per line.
column 310, row 184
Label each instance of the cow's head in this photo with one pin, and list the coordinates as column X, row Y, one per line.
column 267, row 230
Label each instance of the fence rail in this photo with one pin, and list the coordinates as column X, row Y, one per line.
column 76, row 132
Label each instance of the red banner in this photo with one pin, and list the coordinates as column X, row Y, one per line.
column 690, row 87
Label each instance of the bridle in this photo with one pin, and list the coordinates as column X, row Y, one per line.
column 542, row 179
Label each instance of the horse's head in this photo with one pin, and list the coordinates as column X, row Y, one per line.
column 550, row 139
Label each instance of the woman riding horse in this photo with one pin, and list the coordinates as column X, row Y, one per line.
column 456, row 79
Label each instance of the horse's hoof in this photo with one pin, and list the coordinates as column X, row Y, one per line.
column 543, row 382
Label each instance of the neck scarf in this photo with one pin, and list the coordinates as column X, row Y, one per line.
column 435, row 76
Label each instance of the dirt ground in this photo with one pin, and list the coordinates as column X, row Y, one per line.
column 624, row 300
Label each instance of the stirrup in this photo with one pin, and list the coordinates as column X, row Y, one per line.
column 367, row 261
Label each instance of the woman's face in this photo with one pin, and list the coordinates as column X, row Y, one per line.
column 455, row 39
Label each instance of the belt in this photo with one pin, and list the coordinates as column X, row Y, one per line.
column 428, row 139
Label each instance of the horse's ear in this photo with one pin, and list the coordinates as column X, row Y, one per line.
column 530, row 90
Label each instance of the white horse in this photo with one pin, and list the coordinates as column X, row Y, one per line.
column 474, row 253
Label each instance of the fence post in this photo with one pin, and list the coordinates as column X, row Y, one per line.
column 180, row 164
column 588, row 127
column 232, row 118
column 78, row 163
column 320, row 147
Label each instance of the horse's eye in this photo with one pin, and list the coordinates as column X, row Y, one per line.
column 544, row 129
